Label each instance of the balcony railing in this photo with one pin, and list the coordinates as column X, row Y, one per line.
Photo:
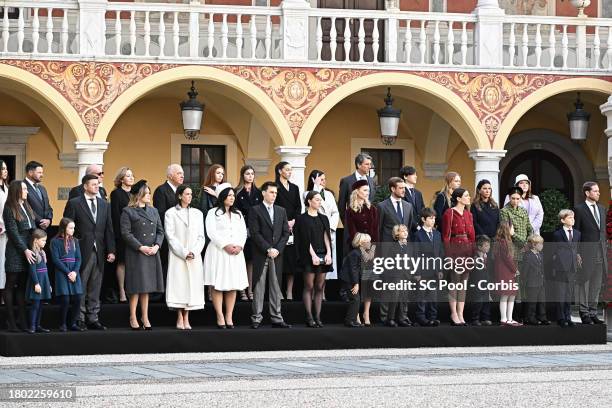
column 297, row 33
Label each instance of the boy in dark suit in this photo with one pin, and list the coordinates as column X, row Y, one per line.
column 428, row 245
column 533, row 279
column 566, row 262
column 479, row 296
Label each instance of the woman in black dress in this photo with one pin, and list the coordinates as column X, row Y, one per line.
column 19, row 222
column 314, row 260
column 289, row 198
column 120, row 197
column 485, row 211
column 247, row 196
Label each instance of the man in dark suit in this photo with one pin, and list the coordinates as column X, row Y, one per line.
column 164, row 198
column 37, row 195
column 591, row 222
column 363, row 164
column 391, row 212
column 565, row 262
column 269, row 234
column 413, row 196
column 94, row 229
column 96, row 170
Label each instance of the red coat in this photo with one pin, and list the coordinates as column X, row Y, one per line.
column 458, row 233
column 505, row 267
column 365, row 221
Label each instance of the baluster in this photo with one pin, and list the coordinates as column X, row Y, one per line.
column 436, row 42
column 511, row 47
column 49, row 36
column 268, row 40
column 552, row 41
column 347, row 39
column 450, row 46
column 20, row 32
column 319, row 39
column 162, row 34
column 65, row 32
column 375, row 39
column 596, row 48
column 407, row 42
column 35, row 33
column 525, row 45
column 147, row 33
column 422, row 43
column 175, row 35
column 538, row 48
column 253, row 33
column 361, row 36
column 5, row 30
column 609, row 53
column 464, row 43
column 224, row 33
column 117, row 33
column 332, row 39
column 239, row 36
column 132, row 33
column 211, row 34
column 565, row 46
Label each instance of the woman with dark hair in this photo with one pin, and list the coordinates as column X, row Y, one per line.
column 3, row 194
column 442, row 199
column 530, row 202
column 459, row 237
column 142, row 231
column 224, row 265
column 314, row 260
column 247, row 196
column 185, row 234
column 208, row 196
column 288, row 197
column 120, row 197
column 19, row 223
column 485, row 211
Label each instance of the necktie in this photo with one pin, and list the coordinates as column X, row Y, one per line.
column 38, row 193
column 271, row 214
column 410, row 194
column 571, row 236
column 596, row 214
column 93, row 206
column 398, row 209
column 430, row 235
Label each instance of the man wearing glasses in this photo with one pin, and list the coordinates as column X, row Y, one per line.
column 91, row 169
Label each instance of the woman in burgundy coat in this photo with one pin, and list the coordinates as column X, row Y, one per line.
column 362, row 216
column 459, row 237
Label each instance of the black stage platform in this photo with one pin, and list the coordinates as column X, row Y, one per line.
column 205, row 337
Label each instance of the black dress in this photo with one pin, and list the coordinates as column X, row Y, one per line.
column 291, row 202
column 244, row 201
column 311, row 231
column 119, row 200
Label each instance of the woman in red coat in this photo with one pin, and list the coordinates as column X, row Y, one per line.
column 459, row 237
column 506, row 272
column 362, row 216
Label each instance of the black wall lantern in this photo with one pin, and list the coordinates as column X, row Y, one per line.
column 192, row 112
column 389, row 120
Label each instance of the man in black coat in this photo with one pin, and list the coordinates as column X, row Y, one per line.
column 94, row 229
column 96, row 170
column 363, row 164
column 591, row 222
column 566, row 262
column 37, row 195
column 269, row 231
column 413, row 196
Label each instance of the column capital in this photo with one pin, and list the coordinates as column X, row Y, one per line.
column 487, row 154
column 91, row 146
column 293, row 151
column 89, row 153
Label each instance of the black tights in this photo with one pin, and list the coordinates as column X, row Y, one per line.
column 72, row 304
column 15, row 290
column 316, row 282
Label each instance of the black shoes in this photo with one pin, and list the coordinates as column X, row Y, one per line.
column 221, row 326
column 76, row 328
column 475, row 323
column 319, row 323
column 280, row 325
column 255, row 325
column 390, row 323
column 96, row 326
column 532, row 322
column 63, row 328
column 41, row 329
column 596, row 320
column 311, row 323
column 352, row 324
column 486, row 323
column 587, row 320
column 404, row 323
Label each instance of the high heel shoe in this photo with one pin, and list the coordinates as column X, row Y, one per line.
column 221, row 326
column 311, row 323
column 137, row 326
column 146, row 327
column 319, row 322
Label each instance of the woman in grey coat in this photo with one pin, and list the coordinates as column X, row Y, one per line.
column 143, row 234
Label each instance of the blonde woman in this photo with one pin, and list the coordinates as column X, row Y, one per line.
column 358, row 261
column 442, row 200
column 120, row 197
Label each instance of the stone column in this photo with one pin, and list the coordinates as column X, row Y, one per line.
column 89, row 153
column 296, row 156
column 489, row 34
column 487, row 167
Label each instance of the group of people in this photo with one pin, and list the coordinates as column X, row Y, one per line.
column 247, row 240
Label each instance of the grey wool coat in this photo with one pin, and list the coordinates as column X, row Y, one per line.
column 142, row 226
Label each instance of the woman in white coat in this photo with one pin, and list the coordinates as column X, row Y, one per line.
column 185, row 234
column 317, row 182
column 224, row 264
column 4, row 183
